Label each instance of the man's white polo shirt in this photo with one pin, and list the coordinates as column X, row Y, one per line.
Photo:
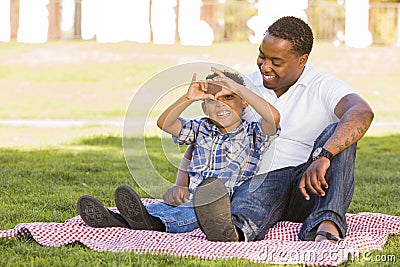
column 306, row 109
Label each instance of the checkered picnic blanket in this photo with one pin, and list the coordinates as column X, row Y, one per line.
column 366, row 231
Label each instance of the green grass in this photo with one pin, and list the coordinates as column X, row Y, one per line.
column 37, row 182
column 377, row 175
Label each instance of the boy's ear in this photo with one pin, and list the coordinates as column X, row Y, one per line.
column 203, row 106
column 244, row 104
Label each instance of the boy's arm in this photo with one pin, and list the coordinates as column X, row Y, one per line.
column 270, row 115
column 179, row 193
column 168, row 120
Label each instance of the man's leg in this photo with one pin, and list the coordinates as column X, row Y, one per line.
column 255, row 210
column 321, row 213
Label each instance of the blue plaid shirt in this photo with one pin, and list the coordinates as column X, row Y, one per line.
column 232, row 157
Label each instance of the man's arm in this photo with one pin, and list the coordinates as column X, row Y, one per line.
column 355, row 118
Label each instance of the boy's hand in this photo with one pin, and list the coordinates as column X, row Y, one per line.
column 228, row 85
column 176, row 195
column 223, row 92
column 198, row 90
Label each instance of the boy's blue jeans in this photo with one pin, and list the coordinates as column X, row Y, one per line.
column 178, row 219
column 278, row 197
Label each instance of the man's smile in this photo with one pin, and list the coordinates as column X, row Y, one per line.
column 269, row 78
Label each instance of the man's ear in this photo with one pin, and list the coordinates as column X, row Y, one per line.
column 303, row 60
column 203, row 106
column 244, row 104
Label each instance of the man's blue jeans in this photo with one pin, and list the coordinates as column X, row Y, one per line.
column 180, row 219
column 277, row 197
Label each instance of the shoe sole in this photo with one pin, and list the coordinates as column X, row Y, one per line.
column 131, row 208
column 94, row 214
column 213, row 211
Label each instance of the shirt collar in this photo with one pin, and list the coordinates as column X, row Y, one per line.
column 307, row 75
column 304, row 79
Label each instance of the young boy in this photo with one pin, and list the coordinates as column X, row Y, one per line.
column 227, row 151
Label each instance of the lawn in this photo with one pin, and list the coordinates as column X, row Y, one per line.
column 44, row 170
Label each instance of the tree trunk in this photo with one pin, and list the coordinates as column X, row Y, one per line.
column 151, row 29
column 177, row 39
column 14, row 17
column 78, row 20
column 54, row 32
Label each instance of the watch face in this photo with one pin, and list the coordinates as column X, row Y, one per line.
column 317, row 152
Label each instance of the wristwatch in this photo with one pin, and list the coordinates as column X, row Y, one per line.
column 321, row 152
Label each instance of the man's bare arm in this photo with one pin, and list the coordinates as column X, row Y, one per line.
column 355, row 118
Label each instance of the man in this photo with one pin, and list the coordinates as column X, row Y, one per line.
column 309, row 176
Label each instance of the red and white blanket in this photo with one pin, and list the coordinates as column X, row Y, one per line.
column 366, row 231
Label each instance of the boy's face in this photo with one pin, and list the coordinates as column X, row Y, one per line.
column 225, row 111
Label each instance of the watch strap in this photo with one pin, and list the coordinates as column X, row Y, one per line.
column 324, row 153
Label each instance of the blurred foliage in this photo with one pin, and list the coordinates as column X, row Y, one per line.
column 333, row 1
column 327, row 19
column 385, row 1
column 231, row 20
column 383, row 25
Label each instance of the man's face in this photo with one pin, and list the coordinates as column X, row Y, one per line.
column 279, row 65
column 226, row 111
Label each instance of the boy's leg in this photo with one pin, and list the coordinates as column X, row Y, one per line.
column 333, row 206
column 134, row 212
column 213, row 211
column 255, row 210
column 180, row 219
column 94, row 214
column 157, row 216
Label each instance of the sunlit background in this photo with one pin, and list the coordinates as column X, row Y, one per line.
column 70, row 68
column 72, row 71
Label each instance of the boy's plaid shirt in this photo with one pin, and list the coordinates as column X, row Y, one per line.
column 232, row 157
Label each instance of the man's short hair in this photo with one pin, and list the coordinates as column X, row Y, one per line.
column 294, row 30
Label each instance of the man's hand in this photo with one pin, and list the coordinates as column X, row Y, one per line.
column 314, row 178
column 176, row 195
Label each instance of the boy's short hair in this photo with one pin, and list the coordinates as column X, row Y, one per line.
column 233, row 75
